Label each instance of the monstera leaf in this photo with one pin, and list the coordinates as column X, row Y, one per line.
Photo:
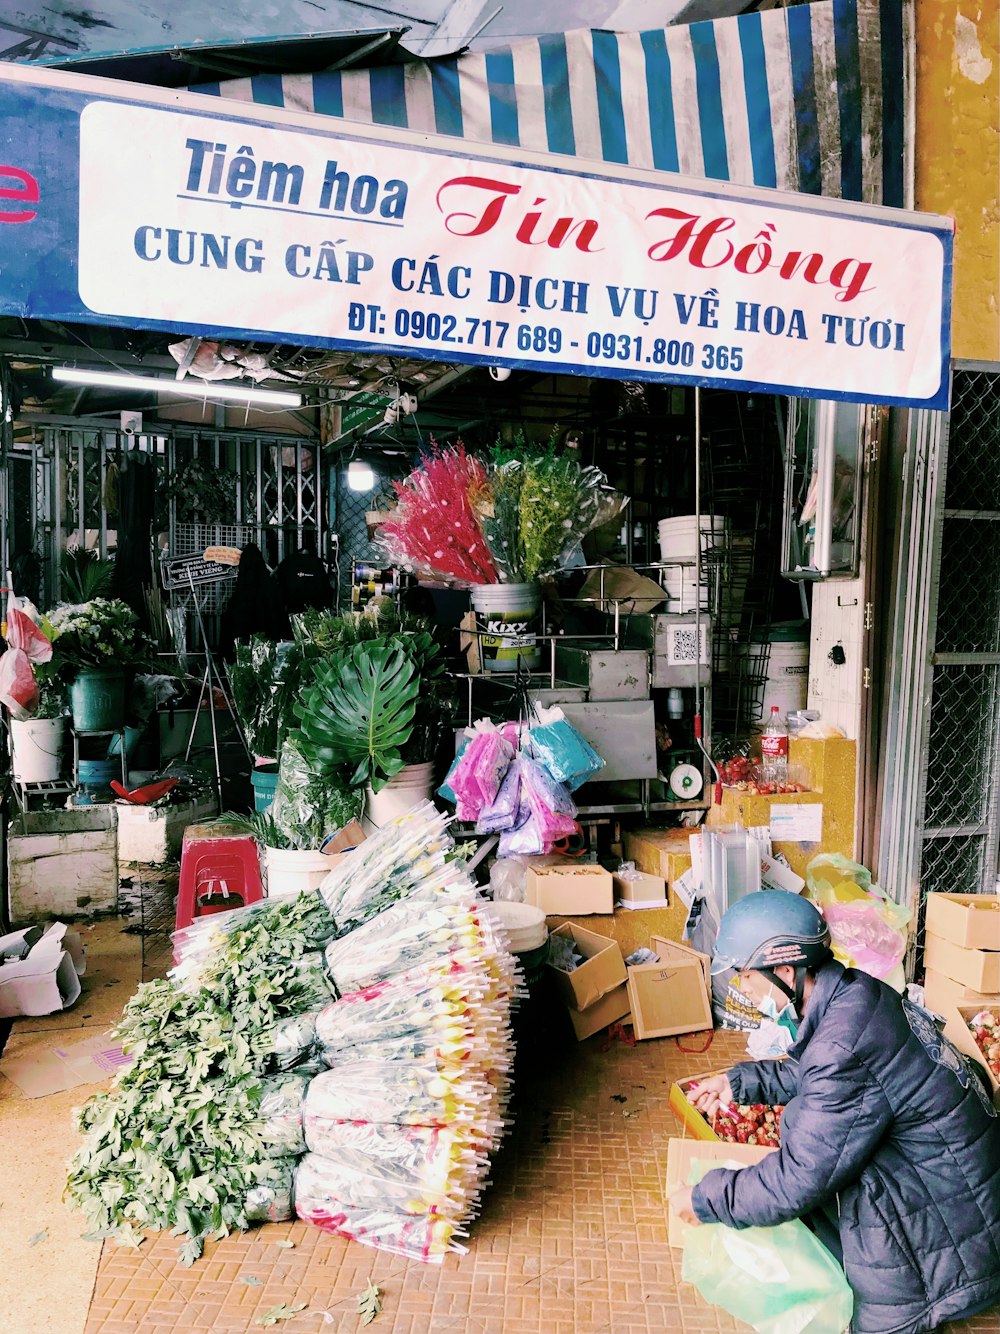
column 360, row 712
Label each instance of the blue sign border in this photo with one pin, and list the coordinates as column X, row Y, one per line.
column 40, row 119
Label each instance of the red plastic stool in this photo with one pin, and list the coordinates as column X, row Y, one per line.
column 220, row 870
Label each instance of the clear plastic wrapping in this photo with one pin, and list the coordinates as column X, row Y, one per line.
column 405, row 855
column 281, row 1114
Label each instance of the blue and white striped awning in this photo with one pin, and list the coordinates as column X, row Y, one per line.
column 810, row 99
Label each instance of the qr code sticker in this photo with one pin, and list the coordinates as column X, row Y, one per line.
column 683, row 646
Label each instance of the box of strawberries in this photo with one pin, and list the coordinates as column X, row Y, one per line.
column 975, row 1029
column 739, row 1123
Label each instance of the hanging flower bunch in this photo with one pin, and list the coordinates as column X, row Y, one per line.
column 520, row 518
column 434, row 529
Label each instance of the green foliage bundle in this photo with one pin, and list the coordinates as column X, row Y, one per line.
column 179, row 1141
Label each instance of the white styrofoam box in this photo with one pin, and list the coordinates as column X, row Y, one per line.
column 47, row 979
column 154, row 834
column 63, row 864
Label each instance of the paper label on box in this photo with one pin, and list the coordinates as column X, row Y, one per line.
column 797, row 822
column 685, row 887
column 697, row 859
column 775, row 875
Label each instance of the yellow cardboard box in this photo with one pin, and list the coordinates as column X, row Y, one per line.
column 979, row 969
column 969, row 920
column 941, row 993
column 662, row 852
column 829, row 769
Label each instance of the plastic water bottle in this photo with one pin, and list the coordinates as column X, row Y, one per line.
column 774, row 749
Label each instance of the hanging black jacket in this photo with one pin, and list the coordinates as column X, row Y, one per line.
column 256, row 606
column 885, row 1114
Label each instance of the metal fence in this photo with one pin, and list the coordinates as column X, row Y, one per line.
column 961, row 827
column 57, row 493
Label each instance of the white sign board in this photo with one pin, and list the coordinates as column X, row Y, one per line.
column 309, row 230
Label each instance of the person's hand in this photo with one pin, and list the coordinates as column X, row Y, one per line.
column 680, row 1204
column 711, row 1094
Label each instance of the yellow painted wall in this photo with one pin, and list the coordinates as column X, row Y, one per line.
column 957, row 161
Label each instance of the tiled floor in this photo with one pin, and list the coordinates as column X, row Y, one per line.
column 573, row 1238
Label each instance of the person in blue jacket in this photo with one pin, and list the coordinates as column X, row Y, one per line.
column 890, row 1145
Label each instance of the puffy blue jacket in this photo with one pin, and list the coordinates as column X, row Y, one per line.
column 886, row 1120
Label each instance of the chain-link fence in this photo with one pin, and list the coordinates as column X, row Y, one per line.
column 960, row 834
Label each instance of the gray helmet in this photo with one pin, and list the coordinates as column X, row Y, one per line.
column 769, row 928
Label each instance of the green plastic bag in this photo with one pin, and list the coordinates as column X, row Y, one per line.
column 780, row 1280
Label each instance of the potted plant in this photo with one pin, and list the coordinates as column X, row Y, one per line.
column 374, row 714
column 266, row 679
column 202, row 493
column 97, row 644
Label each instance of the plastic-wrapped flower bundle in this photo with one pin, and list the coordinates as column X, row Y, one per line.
column 288, row 927
column 402, row 1126
column 399, row 1129
column 434, row 529
column 408, row 853
column 519, row 519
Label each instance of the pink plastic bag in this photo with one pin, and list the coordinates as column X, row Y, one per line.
column 502, row 813
column 18, row 688
column 476, row 778
column 26, row 644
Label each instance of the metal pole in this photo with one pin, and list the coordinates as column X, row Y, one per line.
column 699, row 694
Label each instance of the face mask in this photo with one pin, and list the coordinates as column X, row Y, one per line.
column 784, row 1019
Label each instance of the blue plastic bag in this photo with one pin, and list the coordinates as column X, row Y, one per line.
column 568, row 757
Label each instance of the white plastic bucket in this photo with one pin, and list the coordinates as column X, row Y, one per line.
column 405, row 790
column 290, row 872
column 678, row 536
column 524, row 924
column 787, row 683
column 683, row 592
column 38, row 749
column 505, row 616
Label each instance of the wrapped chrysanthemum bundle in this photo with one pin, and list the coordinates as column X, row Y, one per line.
column 194, row 1137
column 407, row 854
column 402, row 1126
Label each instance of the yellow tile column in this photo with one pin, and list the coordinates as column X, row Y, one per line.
column 957, row 166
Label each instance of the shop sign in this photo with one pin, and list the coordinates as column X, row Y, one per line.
column 361, row 410
column 137, row 207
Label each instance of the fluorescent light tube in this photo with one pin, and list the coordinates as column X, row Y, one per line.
column 156, row 384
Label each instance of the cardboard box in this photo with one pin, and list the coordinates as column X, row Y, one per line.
column 645, row 889
column 670, row 996
column 969, row 920
column 682, row 1153
column 661, row 852
column 610, row 1009
column 690, row 1118
column 942, row 993
column 573, row 887
column 601, row 972
column 632, row 930
column 959, row 1032
column 824, row 764
column 47, row 979
column 979, row 969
